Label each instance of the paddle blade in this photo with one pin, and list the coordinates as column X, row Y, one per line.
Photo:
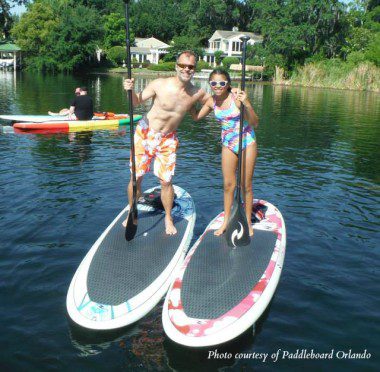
column 131, row 226
column 237, row 232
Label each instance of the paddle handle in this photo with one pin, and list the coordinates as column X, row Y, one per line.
column 130, row 102
column 244, row 40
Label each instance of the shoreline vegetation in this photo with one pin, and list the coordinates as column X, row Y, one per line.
column 313, row 43
column 363, row 77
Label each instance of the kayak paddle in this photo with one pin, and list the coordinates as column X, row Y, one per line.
column 131, row 226
column 237, row 231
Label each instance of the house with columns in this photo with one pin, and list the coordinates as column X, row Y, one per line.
column 148, row 49
column 229, row 43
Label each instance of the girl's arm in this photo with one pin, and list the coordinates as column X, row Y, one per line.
column 249, row 112
column 204, row 111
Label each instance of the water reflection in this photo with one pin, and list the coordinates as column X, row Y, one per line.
column 318, row 162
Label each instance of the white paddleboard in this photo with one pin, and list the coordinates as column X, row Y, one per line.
column 220, row 292
column 118, row 282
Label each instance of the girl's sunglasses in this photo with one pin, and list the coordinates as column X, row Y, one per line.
column 222, row 84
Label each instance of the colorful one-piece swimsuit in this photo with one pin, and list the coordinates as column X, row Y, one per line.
column 230, row 120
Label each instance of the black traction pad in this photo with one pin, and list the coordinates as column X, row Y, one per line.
column 218, row 277
column 120, row 270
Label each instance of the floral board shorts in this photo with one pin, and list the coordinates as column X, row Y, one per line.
column 151, row 144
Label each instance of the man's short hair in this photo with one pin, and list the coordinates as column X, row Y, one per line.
column 187, row 53
column 83, row 89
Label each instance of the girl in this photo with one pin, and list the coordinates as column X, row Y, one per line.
column 226, row 103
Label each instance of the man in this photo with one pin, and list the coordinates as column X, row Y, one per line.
column 82, row 105
column 65, row 111
column 156, row 134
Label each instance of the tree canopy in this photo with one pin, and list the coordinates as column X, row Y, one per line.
column 64, row 34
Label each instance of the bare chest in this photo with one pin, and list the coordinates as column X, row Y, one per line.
column 176, row 101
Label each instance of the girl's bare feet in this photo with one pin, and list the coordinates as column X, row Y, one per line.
column 250, row 230
column 221, row 229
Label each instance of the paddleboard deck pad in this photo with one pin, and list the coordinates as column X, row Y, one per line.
column 220, row 292
column 118, row 282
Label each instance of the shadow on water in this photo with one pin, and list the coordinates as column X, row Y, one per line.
column 142, row 342
column 146, row 346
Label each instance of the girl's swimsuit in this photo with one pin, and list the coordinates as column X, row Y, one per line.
column 230, row 120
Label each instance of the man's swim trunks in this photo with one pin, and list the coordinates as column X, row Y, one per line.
column 230, row 120
column 151, row 144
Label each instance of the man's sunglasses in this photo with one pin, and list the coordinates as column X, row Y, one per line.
column 183, row 66
column 222, row 84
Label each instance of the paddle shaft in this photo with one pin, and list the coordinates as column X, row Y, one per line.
column 238, row 180
column 130, row 101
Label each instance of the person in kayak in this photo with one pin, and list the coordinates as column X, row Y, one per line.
column 156, row 133
column 82, row 105
column 66, row 111
column 226, row 103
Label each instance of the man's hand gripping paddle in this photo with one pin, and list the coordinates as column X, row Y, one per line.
column 237, row 231
column 131, row 226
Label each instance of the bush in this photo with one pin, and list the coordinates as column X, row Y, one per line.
column 355, row 58
column 164, row 66
column 373, row 51
column 117, row 55
column 202, row 65
column 228, row 61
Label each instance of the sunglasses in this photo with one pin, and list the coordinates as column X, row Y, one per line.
column 183, row 66
column 222, row 84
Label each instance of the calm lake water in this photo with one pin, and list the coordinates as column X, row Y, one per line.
column 318, row 163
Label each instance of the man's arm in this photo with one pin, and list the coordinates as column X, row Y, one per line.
column 138, row 99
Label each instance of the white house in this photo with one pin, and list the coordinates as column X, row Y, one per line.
column 148, row 49
column 229, row 43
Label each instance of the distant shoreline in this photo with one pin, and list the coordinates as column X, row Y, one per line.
column 277, row 81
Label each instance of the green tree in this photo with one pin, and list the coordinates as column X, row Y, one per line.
column 362, row 38
column 117, row 55
column 34, row 32
column 104, row 6
column 6, row 18
column 58, row 35
column 162, row 19
column 218, row 56
column 204, row 17
column 79, row 33
column 114, row 27
column 296, row 30
column 181, row 43
column 228, row 61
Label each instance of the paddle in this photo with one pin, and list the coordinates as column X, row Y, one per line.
column 237, row 231
column 131, row 226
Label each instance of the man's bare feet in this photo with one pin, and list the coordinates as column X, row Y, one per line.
column 169, row 226
column 124, row 223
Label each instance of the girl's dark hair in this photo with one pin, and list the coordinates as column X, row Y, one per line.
column 220, row 71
